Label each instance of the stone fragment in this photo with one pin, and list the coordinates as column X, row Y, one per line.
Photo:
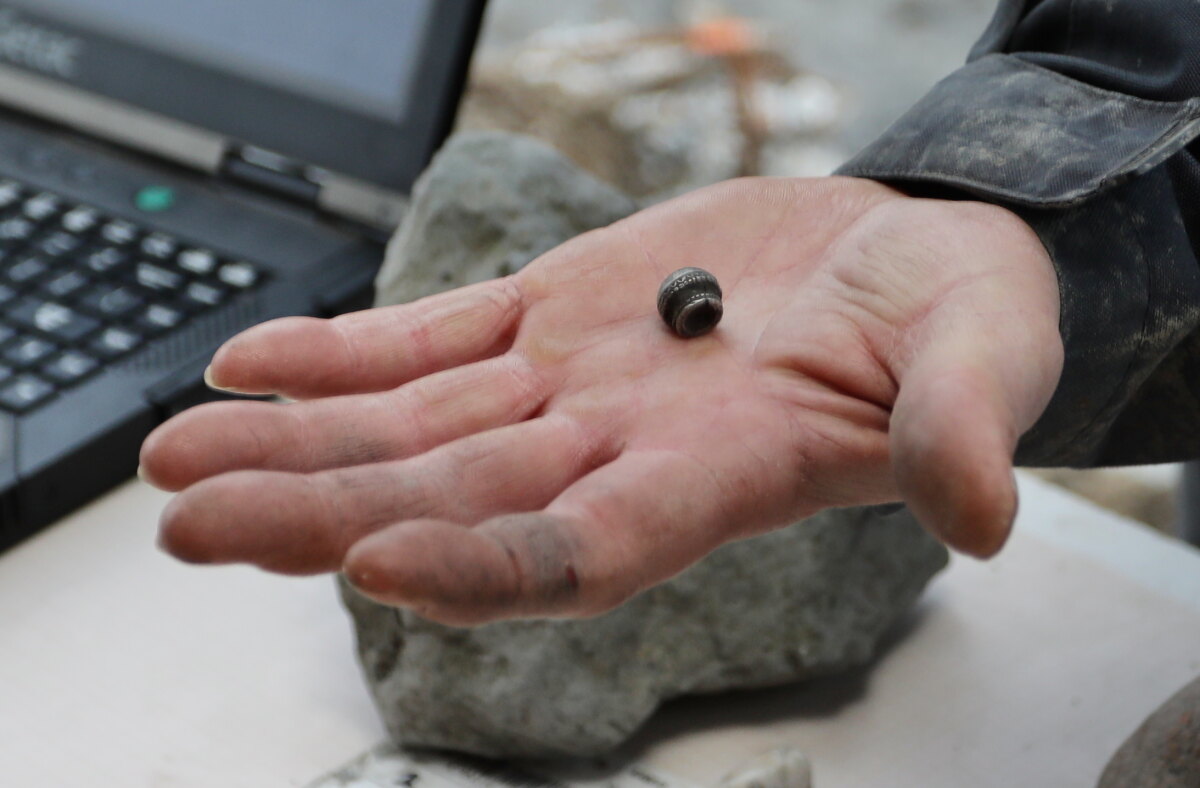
column 390, row 766
column 785, row 767
column 1165, row 751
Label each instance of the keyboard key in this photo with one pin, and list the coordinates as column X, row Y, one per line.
column 157, row 278
column 119, row 232
column 160, row 246
column 111, row 301
column 200, row 295
column 62, row 285
column 70, row 367
column 239, row 275
column 58, row 244
column 10, row 193
column 25, row 392
column 199, row 261
column 26, row 269
column 15, row 230
column 59, row 321
column 80, row 289
column 105, row 259
column 116, row 341
column 80, row 220
column 42, row 206
column 29, row 351
column 159, row 317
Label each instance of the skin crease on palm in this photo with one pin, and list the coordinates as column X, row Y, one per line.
column 542, row 445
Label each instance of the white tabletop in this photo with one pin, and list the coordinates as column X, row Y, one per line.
column 123, row 668
column 120, row 667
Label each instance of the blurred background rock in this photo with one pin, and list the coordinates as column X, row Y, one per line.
column 662, row 96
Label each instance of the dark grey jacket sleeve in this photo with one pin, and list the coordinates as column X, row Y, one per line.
column 1080, row 116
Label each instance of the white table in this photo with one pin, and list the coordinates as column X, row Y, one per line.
column 122, row 668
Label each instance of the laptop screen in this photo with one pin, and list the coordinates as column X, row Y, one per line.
column 364, row 87
column 360, row 55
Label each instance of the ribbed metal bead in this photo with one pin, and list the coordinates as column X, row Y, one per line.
column 689, row 301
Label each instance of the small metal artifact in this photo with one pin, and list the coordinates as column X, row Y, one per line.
column 689, row 301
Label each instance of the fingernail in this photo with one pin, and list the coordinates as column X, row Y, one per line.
column 141, row 474
column 208, row 381
column 359, row 579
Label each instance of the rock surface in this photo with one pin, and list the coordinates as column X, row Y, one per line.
column 390, row 766
column 1165, row 751
column 811, row 599
column 488, row 204
column 785, row 767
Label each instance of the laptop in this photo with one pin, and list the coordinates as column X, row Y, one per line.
column 175, row 171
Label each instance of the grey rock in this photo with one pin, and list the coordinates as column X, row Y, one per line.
column 390, row 766
column 812, row 599
column 1164, row 752
column 488, row 204
column 784, row 767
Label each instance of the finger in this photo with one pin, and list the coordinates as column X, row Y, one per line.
column 304, row 523
column 341, row 431
column 955, row 426
column 372, row 350
column 632, row 523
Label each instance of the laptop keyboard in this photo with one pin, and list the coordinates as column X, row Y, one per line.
column 79, row 290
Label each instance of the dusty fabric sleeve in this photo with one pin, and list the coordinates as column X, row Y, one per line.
column 1078, row 115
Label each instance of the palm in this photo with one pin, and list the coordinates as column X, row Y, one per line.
column 543, row 445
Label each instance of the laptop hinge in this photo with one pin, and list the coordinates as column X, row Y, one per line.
column 364, row 202
column 313, row 186
column 270, row 173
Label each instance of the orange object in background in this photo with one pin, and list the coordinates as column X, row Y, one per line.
column 722, row 37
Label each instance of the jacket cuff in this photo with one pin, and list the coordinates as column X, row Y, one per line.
column 1078, row 164
column 1001, row 128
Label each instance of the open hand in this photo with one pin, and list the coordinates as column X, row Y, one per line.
column 542, row 445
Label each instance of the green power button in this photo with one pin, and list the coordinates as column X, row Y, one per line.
column 155, row 199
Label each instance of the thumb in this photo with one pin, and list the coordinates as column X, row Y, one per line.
column 970, row 391
column 975, row 371
column 952, row 441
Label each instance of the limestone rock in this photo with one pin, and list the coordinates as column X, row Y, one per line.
column 1165, row 751
column 488, row 204
column 390, row 766
column 811, row 599
column 785, row 767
